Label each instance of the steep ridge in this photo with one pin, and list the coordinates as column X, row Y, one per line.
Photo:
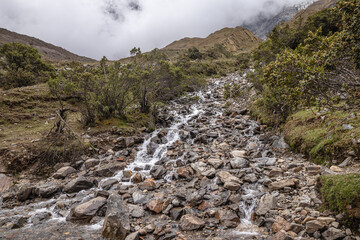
column 48, row 51
column 233, row 39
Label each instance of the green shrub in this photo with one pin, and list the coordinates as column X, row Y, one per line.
column 22, row 66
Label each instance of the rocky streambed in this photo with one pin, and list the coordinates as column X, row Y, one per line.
column 207, row 172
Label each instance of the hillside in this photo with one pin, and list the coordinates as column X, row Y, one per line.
column 47, row 50
column 233, row 39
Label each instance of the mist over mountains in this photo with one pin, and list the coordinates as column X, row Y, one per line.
column 96, row 28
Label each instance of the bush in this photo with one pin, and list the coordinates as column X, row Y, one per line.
column 194, row 53
column 22, row 66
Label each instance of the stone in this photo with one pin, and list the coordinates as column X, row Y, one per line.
column 232, row 186
column 336, row 169
column 133, row 236
column 282, row 184
column 238, row 163
column 109, row 170
column 281, row 224
column 227, row 218
column 190, row 223
column 5, row 183
column 204, row 169
column 78, row 184
column 238, row 154
column 346, row 162
column 47, row 190
column 176, row 213
column 266, row 203
column 280, row 144
column 327, row 220
column 107, row 184
column 333, row 234
column 64, row 172
column 139, row 197
column 24, row 192
column 86, row 211
column 117, row 220
column 149, row 184
column 297, row 227
column 92, row 162
column 216, row 163
column 158, row 173
column 40, row 217
column 227, row 177
column 347, row 127
column 155, row 206
column 212, row 134
column 282, row 235
column 137, row 178
column 304, row 201
column 314, row 225
column 185, row 172
column 136, row 211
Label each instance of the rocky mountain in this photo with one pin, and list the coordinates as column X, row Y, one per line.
column 48, row 51
column 263, row 24
column 234, row 39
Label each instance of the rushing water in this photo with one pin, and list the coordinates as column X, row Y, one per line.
column 144, row 162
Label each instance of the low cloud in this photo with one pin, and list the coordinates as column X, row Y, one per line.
column 97, row 28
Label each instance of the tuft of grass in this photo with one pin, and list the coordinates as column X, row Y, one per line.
column 322, row 138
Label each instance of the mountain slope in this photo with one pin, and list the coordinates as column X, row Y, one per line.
column 233, row 39
column 47, row 50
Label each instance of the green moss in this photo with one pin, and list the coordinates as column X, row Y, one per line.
column 322, row 139
column 340, row 191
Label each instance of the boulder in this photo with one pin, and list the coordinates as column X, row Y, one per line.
column 139, row 197
column 78, row 184
column 304, row 201
column 5, row 183
column 24, row 192
column 92, row 162
column 282, row 184
column 47, row 190
column 158, row 172
column 266, row 203
column 133, row 236
column 314, row 225
column 155, row 206
column 227, row 218
column 117, row 220
column 238, row 154
column 227, row 177
column 204, row 169
column 109, row 170
column 333, row 234
column 216, row 163
column 281, row 224
column 86, row 211
column 136, row 211
column 190, row 223
column 64, row 172
column 238, row 163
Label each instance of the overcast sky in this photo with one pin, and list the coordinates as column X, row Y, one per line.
column 95, row 28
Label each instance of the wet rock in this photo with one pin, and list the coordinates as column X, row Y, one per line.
column 314, row 225
column 109, row 170
column 216, row 163
column 333, row 234
column 232, row 186
column 176, row 213
column 151, row 148
column 117, row 221
column 78, row 184
column 204, row 169
column 158, row 172
column 195, row 198
column 190, row 223
column 24, row 192
column 139, row 197
column 133, row 236
column 92, row 162
column 282, row 184
column 185, row 172
column 5, row 183
column 136, row 211
column 155, row 206
column 107, row 184
column 40, row 217
column 46, row 190
column 238, row 163
column 266, row 203
column 227, row 218
column 137, row 178
column 64, row 172
column 149, row 184
column 86, row 211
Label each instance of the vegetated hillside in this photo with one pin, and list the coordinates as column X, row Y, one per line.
column 47, row 50
column 317, row 6
column 233, row 39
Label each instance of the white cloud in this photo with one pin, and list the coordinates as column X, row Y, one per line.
column 96, row 28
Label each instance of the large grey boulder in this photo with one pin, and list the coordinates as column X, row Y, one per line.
column 238, row 163
column 86, row 211
column 64, row 172
column 109, row 170
column 267, row 203
column 78, row 184
column 117, row 221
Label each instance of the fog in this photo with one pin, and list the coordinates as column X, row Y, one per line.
column 96, row 28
